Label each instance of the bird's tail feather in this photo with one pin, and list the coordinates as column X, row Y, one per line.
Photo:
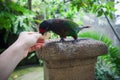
column 84, row 27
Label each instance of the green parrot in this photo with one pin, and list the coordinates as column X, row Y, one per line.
column 62, row 27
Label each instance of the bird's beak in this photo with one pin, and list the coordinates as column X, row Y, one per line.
column 42, row 31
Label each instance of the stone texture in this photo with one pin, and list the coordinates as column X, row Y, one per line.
column 71, row 61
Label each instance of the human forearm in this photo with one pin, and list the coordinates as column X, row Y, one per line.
column 14, row 54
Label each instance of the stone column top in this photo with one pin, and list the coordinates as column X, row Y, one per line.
column 83, row 49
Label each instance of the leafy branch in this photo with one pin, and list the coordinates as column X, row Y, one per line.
column 11, row 13
column 14, row 18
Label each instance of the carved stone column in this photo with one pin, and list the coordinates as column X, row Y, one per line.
column 68, row 61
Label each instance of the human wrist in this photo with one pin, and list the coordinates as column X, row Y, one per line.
column 23, row 43
column 21, row 48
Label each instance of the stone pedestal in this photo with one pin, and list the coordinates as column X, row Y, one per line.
column 71, row 61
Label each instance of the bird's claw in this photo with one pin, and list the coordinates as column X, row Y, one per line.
column 62, row 40
column 75, row 41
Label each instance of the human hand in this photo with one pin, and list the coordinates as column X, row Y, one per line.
column 38, row 44
column 31, row 40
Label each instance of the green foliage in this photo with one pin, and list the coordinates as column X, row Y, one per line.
column 97, row 36
column 54, row 9
column 54, row 36
column 107, row 67
column 59, row 9
column 14, row 19
column 99, row 7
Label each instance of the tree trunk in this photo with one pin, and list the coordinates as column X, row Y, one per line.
column 30, row 4
column 117, row 20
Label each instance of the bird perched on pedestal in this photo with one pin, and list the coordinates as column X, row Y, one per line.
column 62, row 27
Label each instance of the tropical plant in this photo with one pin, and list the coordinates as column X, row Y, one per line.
column 14, row 18
column 107, row 67
column 69, row 8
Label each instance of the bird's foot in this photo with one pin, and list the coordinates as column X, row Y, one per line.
column 62, row 40
column 75, row 41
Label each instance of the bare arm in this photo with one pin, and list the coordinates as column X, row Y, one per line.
column 27, row 41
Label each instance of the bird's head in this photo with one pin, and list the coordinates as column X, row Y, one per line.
column 44, row 27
